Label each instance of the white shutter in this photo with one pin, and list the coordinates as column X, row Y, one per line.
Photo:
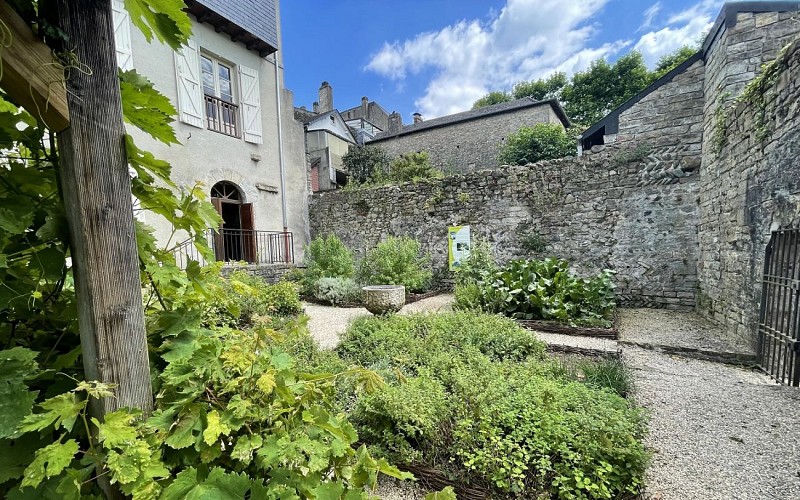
column 190, row 91
column 122, row 35
column 250, row 104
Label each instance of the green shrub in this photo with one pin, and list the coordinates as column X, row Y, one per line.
column 326, row 257
column 479, row 264
column 396, row 261
column 543, row 141
column 362, row 162
column 545, row 289
column 607, row 373
column 337, row 290
column 242, row 297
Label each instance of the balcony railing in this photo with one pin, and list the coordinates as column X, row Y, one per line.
column 237, row 245
column 222, row 116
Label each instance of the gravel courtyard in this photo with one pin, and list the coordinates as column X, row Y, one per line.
column 716, row 431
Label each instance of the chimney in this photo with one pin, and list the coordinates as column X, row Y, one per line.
column 315, row 107
column 325, row 98
column 395, row 123
column 417, row 118
column 364, row 107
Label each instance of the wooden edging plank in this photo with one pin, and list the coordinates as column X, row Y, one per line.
column 553, row 327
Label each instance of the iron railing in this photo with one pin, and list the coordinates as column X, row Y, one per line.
column 222, row 116
column 241, row 245
column 778, row 346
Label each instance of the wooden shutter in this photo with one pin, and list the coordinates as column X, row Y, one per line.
column 122, row 35
column 190, row 91
column 250, row 104
column 248, row 235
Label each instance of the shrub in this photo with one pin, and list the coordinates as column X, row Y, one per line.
column 326, row 257
column 543, row 141
column 241, row 297
column 362, row 162
column 396, row 261
column 410, row 167
column 545, row 289
column 607, row 373
column 337, row 290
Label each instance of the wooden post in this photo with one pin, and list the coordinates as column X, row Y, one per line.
column 97, row 195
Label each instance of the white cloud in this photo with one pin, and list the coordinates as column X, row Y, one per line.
column 526, row 39
column 649, row 16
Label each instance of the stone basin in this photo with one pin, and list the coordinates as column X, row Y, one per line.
column 384, row 299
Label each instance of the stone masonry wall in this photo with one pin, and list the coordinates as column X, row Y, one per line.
column 469, row 145
column 597, row 211
column 750, row 187
column 667, row 124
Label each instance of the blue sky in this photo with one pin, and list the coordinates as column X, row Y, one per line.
column 437, row 56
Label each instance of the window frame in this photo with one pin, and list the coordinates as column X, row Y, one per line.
column 228, row 122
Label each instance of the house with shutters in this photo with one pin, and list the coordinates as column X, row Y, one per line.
column 235, row 123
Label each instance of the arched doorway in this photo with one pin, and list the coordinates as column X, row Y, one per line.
column 235, row 239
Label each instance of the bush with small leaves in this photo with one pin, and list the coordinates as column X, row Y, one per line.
column 543, row 141
column 337, row 291
column 397, row 261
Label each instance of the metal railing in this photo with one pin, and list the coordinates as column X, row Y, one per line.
column 241, row 245
column 222, row 116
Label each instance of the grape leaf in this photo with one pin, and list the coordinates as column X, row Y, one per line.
column 61, row 410
column 218, row 485
column 446, row 494
column 49, row 461
column 145, row 108
column 183, row 435
column 163, row 18
column 116, row 429
column 214, row 428
column 329, row 491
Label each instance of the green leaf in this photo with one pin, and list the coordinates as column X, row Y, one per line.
column 266, row 382
column 329, row 491
column 16, row 454
column 214, row 428
column 183, row 435
column 116, row 429
column 145, row 108
column 49, row 461
column 146, row 165
column 219, row 485
column 61, row 410
column 16, row 401
column 245, row 446
column 446, row 494
column 163, row 18
column 282, row 361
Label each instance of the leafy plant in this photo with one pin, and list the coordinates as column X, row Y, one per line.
column 408, row 167
column 545, row 289
column 337, row 290
column 361, row 163
column 607, row 373
column 543, row 141
column 533, row 242
column 328, row 257
column 470, row 274
column 396, row 261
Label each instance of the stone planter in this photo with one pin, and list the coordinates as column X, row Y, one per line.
column 383, row 299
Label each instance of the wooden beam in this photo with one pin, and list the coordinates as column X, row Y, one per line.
column 32, row 76
column 97, row 197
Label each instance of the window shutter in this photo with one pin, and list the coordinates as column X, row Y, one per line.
column 190, row 92
column 250, row 104
column 122, row 35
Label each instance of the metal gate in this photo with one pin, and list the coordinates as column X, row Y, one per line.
column 778, row 348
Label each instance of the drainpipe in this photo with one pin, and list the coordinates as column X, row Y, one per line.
column 281, row 161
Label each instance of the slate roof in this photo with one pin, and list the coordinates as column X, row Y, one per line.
column 335, row 113
column 475, row 114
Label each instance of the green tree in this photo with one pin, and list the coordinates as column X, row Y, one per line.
column 362, row 162
column 670, row 61
column 412, row 167
column 595, row 92
column 491, row 98
column 543, row 141
column 541, row 89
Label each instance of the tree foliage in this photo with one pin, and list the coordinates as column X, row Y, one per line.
column 492, row 98
column 541, row 89
column 543, row 141
column 363, row 161
column 670, row 61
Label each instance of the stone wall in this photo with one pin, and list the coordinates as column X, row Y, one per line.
column 468, row 145
column 271, row 273
column 597, row 211
column 750, row 187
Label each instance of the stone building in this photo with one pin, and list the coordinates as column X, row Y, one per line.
column 235, row 124
column 470, row 140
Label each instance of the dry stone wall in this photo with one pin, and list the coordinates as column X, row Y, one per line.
column 750, row 187
column 598, row 211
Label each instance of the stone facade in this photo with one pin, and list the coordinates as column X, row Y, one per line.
column 467, row 141
column 750, row 188
column 271, row 273
column 624, row 218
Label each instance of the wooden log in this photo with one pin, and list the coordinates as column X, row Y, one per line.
column 31, row 76
column 553, row 327
column 97, row 196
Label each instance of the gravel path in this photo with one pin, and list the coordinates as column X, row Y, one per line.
column 716, row 431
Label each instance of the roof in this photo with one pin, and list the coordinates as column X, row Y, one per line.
column 254, row 24
column 476, row 114
column 321, row 118
column 726, row 17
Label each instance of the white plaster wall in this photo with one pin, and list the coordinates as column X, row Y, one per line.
column 210, row 157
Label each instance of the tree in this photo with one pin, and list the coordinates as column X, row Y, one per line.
column 412, row 167
column 362, row 162
column 491, row 98
column 541, row 89
column 543, row 141
column 595, row 92
column 670, row 61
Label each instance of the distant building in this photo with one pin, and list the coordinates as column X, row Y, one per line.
column 470, row 140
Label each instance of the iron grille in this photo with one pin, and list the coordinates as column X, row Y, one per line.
column 778, row 347
column 222, row 116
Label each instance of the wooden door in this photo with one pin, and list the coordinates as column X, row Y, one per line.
column 219, row 240
column 248, row 233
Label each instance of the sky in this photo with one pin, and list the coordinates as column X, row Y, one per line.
column 436, row 57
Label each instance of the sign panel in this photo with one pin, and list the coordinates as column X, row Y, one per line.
column 458, row 245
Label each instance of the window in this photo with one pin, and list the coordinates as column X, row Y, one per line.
column 221, row 112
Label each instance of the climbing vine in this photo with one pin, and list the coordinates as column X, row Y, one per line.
column 234, row 418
